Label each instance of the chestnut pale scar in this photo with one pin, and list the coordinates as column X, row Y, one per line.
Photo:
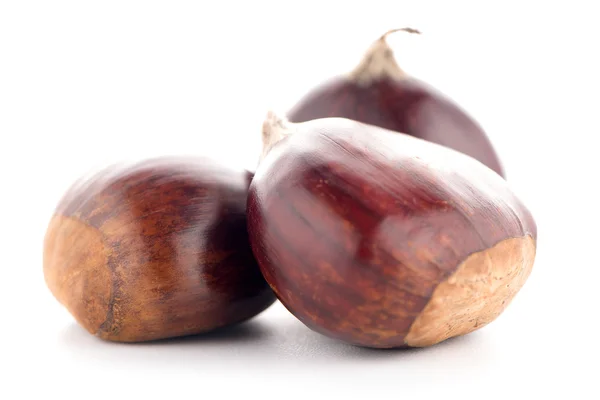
column 476, row 293
column 76, row 270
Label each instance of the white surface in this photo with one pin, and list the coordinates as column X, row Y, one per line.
column 87, row 83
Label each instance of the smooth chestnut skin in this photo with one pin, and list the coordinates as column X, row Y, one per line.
column 379, row 93
column 382, row 240
column 155, row 250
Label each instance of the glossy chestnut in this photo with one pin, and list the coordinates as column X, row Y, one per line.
column 154, row 250
column 380, row 239
column 378, row 92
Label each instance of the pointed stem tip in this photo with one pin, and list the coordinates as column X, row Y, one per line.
column 275, row 127
column 379, row 62
column 405, row 29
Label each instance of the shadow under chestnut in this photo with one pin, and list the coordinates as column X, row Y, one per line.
column 273, row 345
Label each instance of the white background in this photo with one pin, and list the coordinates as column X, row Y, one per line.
column 87, row 83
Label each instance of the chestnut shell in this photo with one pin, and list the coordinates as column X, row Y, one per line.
column 382, row 240
column 405, row 105
column 155, row 250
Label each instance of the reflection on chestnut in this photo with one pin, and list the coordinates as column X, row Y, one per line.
column 380, row 239
column 378, row 92
column 155, row 250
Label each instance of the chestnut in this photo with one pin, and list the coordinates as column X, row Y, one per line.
column 378, row 92
column 155, row 249
column 383, row 240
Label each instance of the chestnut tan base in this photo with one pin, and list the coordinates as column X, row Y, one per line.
column 476, row 294
column 76, row 270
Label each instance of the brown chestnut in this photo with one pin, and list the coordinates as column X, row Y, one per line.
column 378, row 92
column 154, row 250
column 380, row 239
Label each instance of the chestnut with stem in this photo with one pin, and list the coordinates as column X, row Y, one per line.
column 379, row 92
column 381, row 239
